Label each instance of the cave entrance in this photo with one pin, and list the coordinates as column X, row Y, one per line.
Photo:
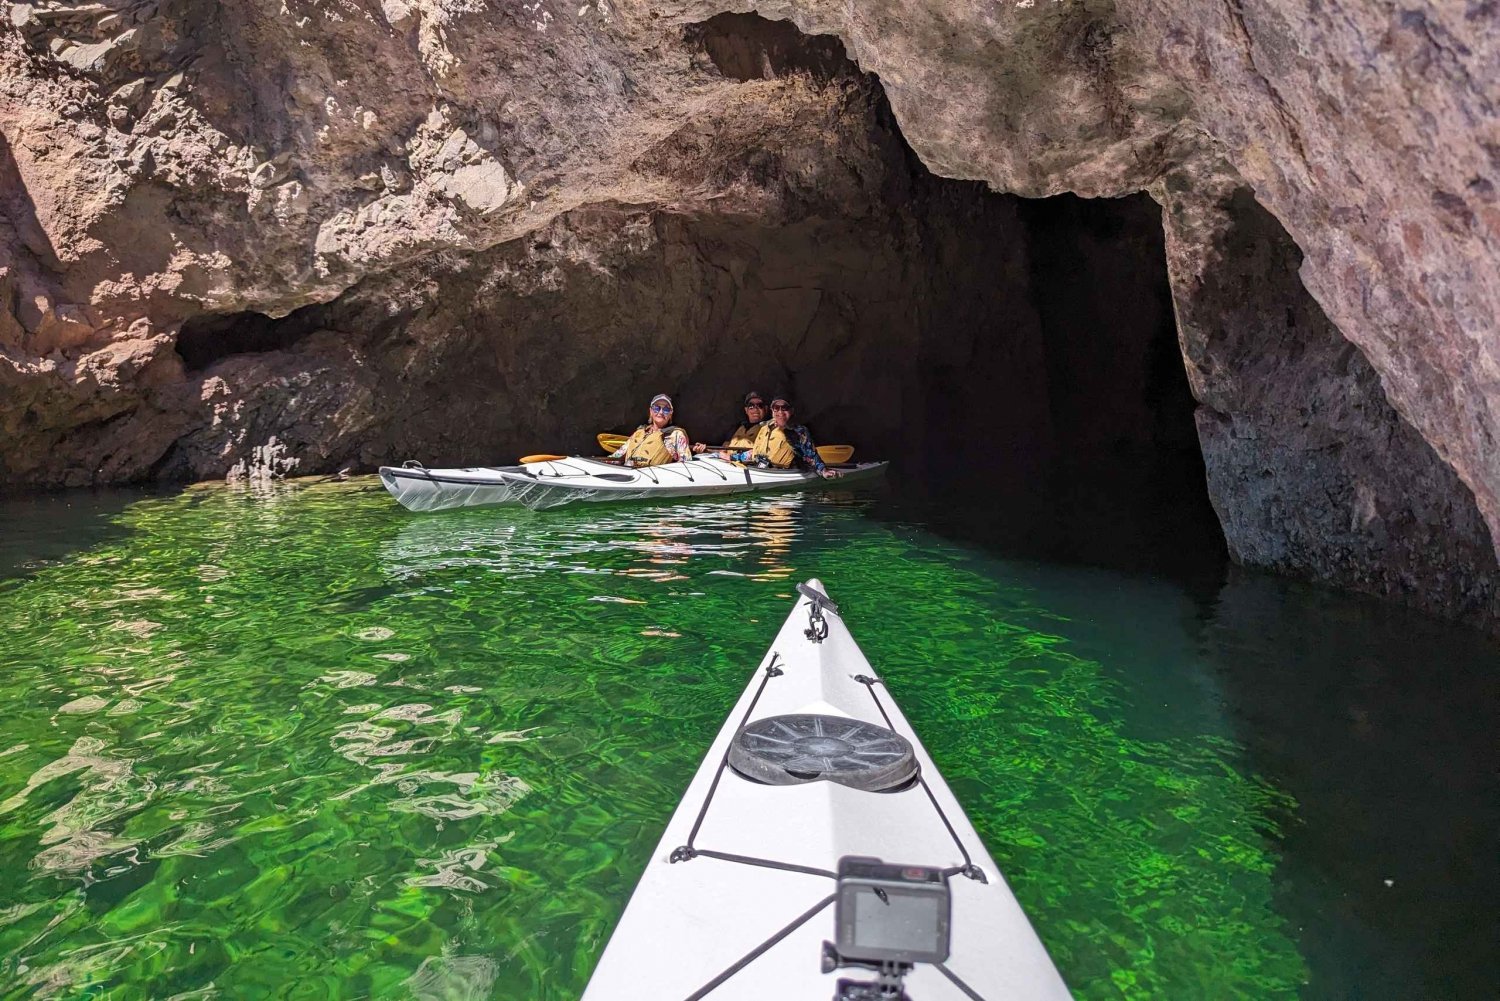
column 1017, row 357
column 1057, row 421
column 211, row 337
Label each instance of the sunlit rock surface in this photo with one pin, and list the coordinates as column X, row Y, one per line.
column 335, row 224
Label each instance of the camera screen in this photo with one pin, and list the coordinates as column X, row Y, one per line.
column 902, row 921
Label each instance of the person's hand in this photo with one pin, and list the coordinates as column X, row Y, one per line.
column 831, row 474
column 699, row 448
column 723, row 453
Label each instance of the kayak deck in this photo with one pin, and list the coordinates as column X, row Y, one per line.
column 742, row 863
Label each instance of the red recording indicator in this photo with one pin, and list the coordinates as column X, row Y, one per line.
column 918, row 874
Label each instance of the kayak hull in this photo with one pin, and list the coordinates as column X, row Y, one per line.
column 418, row 489
column 709, row 913
column 557, row 482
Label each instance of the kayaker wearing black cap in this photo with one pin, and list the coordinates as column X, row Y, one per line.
column 744, row 435
column 779, row 443
column 657, row 441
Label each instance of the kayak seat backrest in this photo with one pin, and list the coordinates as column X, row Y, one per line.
column 799, row 748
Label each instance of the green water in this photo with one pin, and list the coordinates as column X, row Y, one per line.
column 299, row 743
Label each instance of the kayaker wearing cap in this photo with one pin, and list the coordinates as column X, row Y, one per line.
column 744, row 436
column 657, row 441
column 779, row 444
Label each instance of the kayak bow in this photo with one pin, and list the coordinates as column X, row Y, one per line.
column 740, row 898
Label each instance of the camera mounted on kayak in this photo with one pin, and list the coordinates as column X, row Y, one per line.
column 887, row 918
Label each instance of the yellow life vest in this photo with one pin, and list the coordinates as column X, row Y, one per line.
column 772, row 445
column 744, row 436
column 648, row 446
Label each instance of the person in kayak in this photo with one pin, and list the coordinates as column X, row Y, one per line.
column 780, row 444
column 743, row 436
column 657, row 441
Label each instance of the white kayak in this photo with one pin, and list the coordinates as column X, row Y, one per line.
column 738, row 900
column 563, row 481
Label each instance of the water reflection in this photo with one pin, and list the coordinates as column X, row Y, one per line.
column 659, row 540
column 1380, row 722
column 43, row 531
column 108, row 788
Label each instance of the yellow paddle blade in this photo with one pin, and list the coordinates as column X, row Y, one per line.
column 542, row 458
column 610, row 442
column 835, row 454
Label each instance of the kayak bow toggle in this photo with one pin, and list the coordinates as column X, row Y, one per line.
column 817, row 626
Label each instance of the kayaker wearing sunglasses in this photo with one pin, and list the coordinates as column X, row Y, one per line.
column 657, row 441
column 743, row 436
column 779, row 444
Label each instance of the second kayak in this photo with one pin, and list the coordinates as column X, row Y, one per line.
column 817, row 854
column 564, row 481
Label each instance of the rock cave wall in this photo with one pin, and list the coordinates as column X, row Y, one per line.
column 1310, row 469
column 374, row 229
column 1370, row 131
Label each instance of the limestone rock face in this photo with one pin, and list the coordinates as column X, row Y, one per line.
column 1371, row 132
column 1309, row 468
column 228, row 221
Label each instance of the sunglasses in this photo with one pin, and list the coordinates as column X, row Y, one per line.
column 782, row 406
column 658, row 408
column 757, row 404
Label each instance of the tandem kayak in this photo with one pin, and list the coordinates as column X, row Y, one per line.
column 563, row 481
column 817, row 854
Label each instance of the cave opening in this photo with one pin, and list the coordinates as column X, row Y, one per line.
column 750, row 47
column 1018, row 359
column 1054, row 419
column 211, row 337
column 1031, row 385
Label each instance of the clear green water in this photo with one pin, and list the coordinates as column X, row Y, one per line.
column 303, row 744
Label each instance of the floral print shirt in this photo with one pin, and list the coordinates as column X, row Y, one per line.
column 801, row 442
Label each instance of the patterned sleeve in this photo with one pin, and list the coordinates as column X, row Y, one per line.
column 678, row 445
column 802, row 443
column 619, row 453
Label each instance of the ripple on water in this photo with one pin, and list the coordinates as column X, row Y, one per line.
column 445, row 978
column 348, row 679
column 459, row 869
